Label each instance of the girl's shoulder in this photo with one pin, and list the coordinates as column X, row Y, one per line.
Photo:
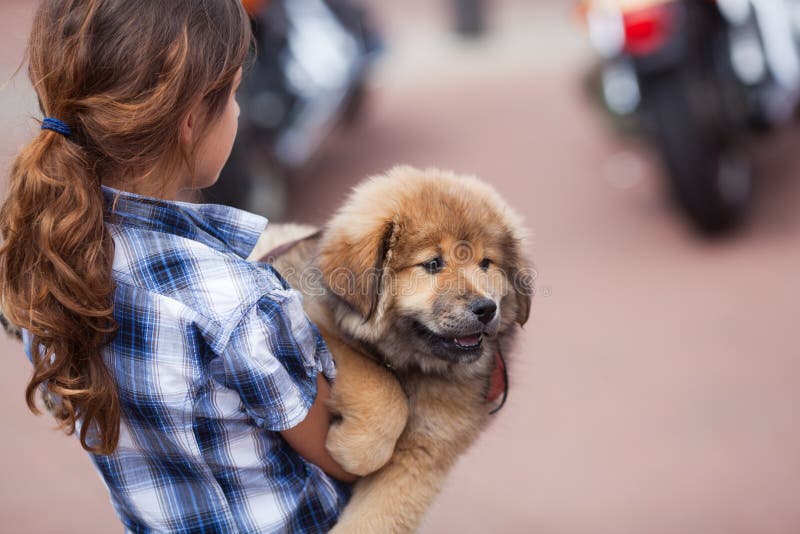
column 186, row 263
column 191, row 278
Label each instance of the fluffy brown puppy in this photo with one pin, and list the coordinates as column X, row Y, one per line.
column 417, row 284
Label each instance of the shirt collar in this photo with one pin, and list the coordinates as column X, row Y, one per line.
column 220, row 227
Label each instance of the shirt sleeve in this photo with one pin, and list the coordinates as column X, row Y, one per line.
column 272, row 360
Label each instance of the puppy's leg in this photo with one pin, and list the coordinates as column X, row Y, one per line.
column 276, row 235
column 373, row 410
column 445, row 419
column 394, row 499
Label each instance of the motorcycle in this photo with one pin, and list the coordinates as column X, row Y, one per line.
column 703, row 77
column 309, row 74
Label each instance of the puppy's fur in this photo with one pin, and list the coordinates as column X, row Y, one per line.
column 401, row 283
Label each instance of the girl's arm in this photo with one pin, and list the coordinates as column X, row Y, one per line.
column 308, row 437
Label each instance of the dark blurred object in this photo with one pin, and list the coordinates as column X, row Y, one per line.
column 470, row 17
column 308, row 76
column 701, row 77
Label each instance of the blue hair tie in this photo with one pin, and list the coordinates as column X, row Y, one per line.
column 56, row 125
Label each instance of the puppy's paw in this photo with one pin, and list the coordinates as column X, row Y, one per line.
column 358, row 449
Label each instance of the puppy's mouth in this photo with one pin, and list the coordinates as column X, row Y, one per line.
column 468, row 342
column 458, row 348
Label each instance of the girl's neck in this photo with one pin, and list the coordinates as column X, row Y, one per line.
column 153, row 184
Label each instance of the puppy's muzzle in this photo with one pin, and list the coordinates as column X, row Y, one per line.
column 484, row 309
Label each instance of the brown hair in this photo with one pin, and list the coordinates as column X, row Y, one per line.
column 123, row 75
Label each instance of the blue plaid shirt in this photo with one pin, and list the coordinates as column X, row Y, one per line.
column 213, row 357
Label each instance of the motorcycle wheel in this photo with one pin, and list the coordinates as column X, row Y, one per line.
column 470, row 17
column 711, row 175
column 355, row 104
column 251, row 180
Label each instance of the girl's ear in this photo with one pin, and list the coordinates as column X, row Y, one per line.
column 188, row 130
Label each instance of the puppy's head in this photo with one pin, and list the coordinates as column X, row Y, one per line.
column 427, row 266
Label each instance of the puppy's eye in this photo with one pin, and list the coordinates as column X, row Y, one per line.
column 433, row 266
column 485, row 263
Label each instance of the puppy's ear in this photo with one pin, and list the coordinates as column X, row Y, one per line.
column 523, row 287
column 354, row 267
column 522, row 277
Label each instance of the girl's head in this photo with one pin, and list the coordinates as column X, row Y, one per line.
column 139, row 83
column 146, row 88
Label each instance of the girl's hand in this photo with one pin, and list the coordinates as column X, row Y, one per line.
column 308, row 437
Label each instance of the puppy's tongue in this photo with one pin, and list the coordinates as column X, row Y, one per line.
column 468, row 341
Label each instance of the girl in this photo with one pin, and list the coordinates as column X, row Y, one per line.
column 191, row 376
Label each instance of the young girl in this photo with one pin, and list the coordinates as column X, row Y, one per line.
column 191, row 375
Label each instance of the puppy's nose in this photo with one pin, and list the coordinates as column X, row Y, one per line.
column 484, row 308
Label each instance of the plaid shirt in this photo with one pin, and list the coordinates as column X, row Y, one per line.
column 213, row 357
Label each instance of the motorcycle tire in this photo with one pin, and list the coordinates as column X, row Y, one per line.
column 710, row 174
column 470, row 17
column 252, row 181
column 355, row 104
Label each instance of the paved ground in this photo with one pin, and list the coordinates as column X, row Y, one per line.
column 655, row 388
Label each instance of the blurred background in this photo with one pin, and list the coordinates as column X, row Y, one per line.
column 653, row 150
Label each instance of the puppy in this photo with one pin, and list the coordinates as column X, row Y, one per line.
column 418, row 284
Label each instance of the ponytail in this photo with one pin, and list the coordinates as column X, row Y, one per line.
column 55, row 275
column 123, row 75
